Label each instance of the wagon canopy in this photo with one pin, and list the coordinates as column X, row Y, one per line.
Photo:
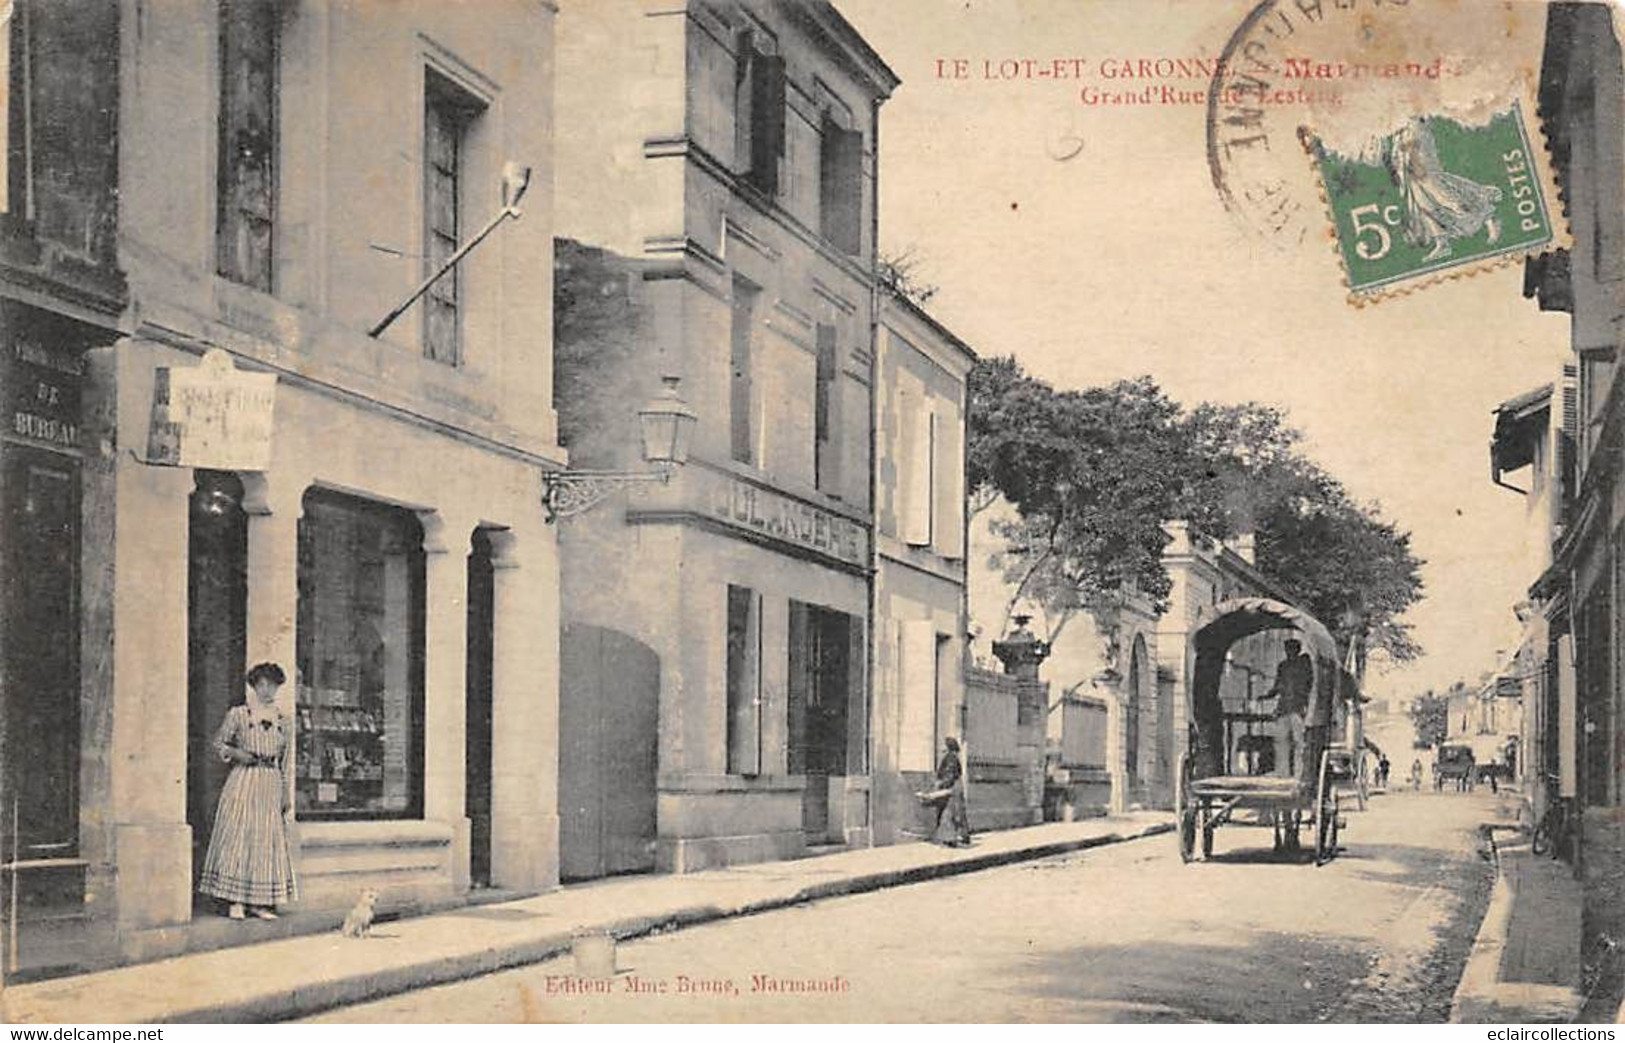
column 1224, row 624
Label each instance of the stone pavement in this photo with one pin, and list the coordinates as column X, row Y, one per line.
column 299, row 976
column 1525, row 966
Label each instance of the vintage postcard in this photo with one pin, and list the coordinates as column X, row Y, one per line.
column 812, row 511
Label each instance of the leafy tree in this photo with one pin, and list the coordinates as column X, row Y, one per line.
column 1088, row 475
column 1094, row 474
column 1430, row 716
column 1341, row 560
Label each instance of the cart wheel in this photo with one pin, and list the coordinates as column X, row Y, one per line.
column 1187, row 835
column 1184, row 811
column 1325, row 812
column 1326, row 832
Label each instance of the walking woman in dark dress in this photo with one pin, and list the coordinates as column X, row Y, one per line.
column 950, row 776
column 248, row 864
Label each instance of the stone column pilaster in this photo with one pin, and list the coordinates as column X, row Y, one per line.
column 525, row 709
column 135, row 640
column 445, row 742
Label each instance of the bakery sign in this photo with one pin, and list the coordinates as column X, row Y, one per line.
column 211, row 415
column 760, row 510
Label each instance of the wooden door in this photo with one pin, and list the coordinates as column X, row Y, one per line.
column 803, row 751
column 39, row 683
column 477, row 709
column 217, row 609
column 609, row 722
column 821, row 679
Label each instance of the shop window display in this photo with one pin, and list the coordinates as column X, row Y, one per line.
column 360, row 677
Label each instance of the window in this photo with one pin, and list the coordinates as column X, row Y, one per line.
column 59, row 63
column 246, row 188
column 740, row 395
column 744, row 681
column 758, row 112
column 917, row 466
column 918, row 688
column 359, row 645
column 840, row 186
column 447, row 113
column 948, row 479
column 826, row 447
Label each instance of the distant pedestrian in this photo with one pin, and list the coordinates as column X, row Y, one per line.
column 248, row 864
column 1382, row 772
column 1416, row 774
column 951, row 777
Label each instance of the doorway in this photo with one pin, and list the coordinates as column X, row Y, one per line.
column 609, row 721
column 477, row 741
column 39, row 728
column 824, row 658
column 216, row 640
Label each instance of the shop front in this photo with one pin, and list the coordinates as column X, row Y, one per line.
column 403, row 578
column 42, row 379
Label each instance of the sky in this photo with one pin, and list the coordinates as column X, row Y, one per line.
column 1088, row 240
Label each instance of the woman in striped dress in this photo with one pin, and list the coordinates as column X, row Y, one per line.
column 248, row 862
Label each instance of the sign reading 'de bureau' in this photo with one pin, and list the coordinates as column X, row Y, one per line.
column 211, row 415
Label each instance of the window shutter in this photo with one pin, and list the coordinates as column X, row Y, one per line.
column 7, row 12
column 247, row 142
column 917, row 688
column 826, row 447
column 744, row 681
column 857, row 707
column 798, row 689
column 1569, row 432
column 767, row 121
column 841, row 187
column 915, row 466
column 949, row 531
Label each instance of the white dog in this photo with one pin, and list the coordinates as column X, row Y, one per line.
column 358, row 922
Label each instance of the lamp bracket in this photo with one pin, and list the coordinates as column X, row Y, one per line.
column 568, row 493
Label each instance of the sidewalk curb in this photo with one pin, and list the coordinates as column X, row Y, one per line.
column 288, row 1004
column 1481, row 997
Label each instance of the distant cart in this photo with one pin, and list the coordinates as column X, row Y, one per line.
column 1456, row 766
column 1222, row 779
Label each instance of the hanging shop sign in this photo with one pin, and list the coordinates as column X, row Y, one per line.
column 211, row 415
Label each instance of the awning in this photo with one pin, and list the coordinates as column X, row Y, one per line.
column 1519, row 424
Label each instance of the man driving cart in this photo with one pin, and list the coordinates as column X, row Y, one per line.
column 1294, row 680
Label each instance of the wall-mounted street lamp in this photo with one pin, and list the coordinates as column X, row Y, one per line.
column 666, row 424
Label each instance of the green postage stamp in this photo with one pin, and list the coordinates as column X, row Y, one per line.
column 1434, row 197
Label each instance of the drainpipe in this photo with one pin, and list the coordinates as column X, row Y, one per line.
column 1495, row 476
column 874, row 465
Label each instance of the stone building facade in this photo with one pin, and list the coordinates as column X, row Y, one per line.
column 1582, row 105
column 920, row 548
column 721, row 156
column 286, row 173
